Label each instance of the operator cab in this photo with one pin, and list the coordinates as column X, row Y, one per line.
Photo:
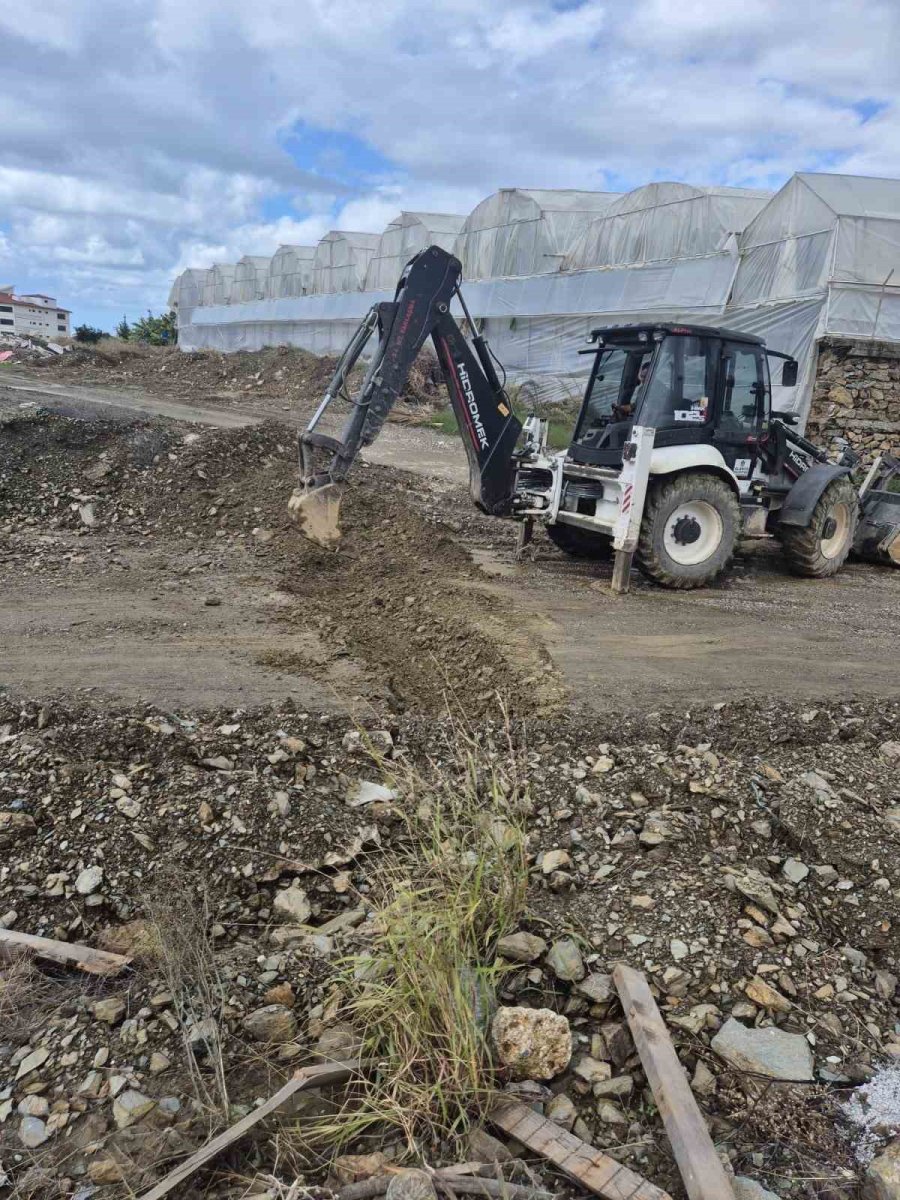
column 691, row 383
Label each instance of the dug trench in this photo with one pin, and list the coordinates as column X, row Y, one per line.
column 190, row 538
column 243, row 817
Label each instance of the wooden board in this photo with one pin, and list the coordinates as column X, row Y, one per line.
column 702, row 1171
column 306, row 1077
column 86, row 958
column 580, row 1161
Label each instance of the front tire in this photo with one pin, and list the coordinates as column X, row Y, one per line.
column 689, row 530
column 821, row 549
column 580, row 543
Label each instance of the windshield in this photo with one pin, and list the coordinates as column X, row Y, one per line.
column 615, row 390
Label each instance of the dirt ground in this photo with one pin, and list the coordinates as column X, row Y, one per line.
column 759, row 633
column 710, row 782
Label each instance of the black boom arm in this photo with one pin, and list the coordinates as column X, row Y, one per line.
column 421, row 308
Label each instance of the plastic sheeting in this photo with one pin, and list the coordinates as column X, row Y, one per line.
column 519, row 232
column 251, row 274
column 665, row 221
column 405, row 236
column 818, row 258
column 290, row 272
column 188, row 290
column 341, row 261
column 822, row 229
column 218, row 285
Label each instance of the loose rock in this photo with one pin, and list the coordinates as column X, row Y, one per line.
column 534, row 1043
column 770, row 1052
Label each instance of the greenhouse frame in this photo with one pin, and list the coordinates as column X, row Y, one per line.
column 290, row 272
column 406, row 235
column 251, row 274
column 341, row 260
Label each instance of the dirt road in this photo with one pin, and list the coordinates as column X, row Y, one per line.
column 761, row 633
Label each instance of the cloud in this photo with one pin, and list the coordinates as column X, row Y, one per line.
column 138, row 139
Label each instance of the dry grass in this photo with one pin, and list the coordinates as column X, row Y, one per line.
column 422, row 998
column 180, row 918
column 27, row 996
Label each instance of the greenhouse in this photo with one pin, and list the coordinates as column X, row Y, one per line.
column 290, row 272
column 835, row 237
column 219, row 284
column 405, row 236
column 519, row 232
column 821, row 256
column 665, row 221
column 251, row 274
column 187, row 292
column 341, row 261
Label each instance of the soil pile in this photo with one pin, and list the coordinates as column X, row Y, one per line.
column 279, row 377
column 398, row 593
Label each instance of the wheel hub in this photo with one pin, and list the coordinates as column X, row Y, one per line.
column 693, row 533
column 686, row 531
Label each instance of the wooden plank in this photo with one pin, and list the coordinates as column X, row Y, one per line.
column 701, row 1169
column 580, row 1161
column 307, row 1077
column 86, row 958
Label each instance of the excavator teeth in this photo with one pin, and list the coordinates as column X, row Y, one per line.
column 317, row 511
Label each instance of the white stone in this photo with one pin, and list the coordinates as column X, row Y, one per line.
column 293, row 905
column 129, row 1106
column 89, row 880
column 534, row 1043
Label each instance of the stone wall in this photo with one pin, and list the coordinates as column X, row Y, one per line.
column 857, row 395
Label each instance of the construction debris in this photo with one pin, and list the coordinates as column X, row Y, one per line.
column 328, row 1075
column 597, row 1172
column 86, row 958
column 700, row 1166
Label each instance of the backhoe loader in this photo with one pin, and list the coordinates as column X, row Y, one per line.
column 674, row 455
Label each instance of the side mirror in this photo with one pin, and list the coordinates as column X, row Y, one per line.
column 789, row 373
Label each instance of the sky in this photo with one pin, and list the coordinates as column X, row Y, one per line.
column 137, row 139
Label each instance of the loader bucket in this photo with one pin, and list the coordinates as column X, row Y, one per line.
column 317, row 511
column 878, row 533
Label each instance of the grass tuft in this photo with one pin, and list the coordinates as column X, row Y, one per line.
column 421, row 999
column 180, row 920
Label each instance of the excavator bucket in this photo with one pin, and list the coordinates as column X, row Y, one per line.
column 317, row 511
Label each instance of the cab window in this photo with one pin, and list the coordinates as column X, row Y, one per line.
column 744, row 391
column 616, row 389
column 679, row 389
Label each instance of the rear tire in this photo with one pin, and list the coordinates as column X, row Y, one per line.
column 580, row 543
column 821, row 549
column 689, row 531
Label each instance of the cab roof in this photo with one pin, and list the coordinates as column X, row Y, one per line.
column 612, row 333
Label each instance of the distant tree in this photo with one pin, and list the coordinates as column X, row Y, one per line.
column 158, row 331
column 123, row 330
column 87, row 333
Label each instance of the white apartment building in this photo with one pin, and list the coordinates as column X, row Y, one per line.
column 32, row 314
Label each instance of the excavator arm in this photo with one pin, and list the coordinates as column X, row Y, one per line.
column 489, row 430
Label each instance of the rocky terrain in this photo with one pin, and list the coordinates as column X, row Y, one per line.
column 246, row 858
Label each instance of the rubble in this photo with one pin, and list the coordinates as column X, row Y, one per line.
column 768, row 1051
column 741, row 855
column 882, row 1179
column 534, row 1043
